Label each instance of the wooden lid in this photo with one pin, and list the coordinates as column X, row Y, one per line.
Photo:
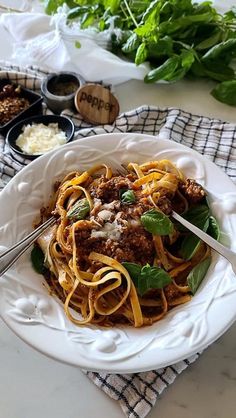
column 96, row 104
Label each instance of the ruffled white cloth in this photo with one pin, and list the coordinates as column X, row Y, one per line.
column 41, row 40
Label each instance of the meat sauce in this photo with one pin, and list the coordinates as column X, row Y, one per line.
column 134, row 243
column 120, row 234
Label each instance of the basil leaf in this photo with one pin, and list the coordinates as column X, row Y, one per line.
column 213, row 228
column 131, row 44
column 197, row 274
column 157, row 223
column 79, row 210
column 220, row 49
column 187, row 59
column 87, row 20
column 154, row 30
column 51, row 6
column 152, row 278
column 163, row 71
column 141, row 54
column 225, row 92
column 211, row 41
column 134, row 271
column 198, row 216
column 163, row 46
column 147, row 277
column 76, row 12
column 127, row 196
column 190, row 244
column 37, row 259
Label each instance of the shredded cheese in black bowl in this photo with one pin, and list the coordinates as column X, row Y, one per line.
column 37, row 135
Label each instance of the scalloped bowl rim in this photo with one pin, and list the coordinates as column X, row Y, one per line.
column 38, row 318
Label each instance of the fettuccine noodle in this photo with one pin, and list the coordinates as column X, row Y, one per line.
column 98, row 232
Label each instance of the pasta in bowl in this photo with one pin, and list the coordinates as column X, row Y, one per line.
column 115, row 256
column 34, row 308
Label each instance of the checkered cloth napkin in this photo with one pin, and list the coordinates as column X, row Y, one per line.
column 137, row 393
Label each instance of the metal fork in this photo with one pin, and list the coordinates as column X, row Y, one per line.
column 8, row 258
column 219, row 248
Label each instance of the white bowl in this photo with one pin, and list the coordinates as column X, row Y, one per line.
column 39, row 319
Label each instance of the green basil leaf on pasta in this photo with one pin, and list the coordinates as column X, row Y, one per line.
column 213, row 228
column 157, row 223
column 134, row 271
column 79, row 210
column 37, row 259
column 197, row 274
column 127, row 196
column 147, row 277
column 153, row 277
column 198, row 216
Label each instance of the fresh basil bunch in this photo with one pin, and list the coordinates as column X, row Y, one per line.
column 179, row 38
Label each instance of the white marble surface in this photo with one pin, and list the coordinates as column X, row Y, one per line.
column 32, row 385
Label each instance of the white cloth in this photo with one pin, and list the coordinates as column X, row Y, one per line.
column 41, row 40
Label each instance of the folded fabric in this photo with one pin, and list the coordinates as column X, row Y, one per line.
column 47, row 42
column 137, row 393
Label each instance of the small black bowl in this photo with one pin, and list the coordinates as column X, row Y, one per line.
column 34, row 108
column 59, row 90
column 64, row 123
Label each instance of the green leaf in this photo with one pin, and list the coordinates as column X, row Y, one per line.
column 161, row 47
column 154, row 278
column 147, row 277
column 87, row 20
column 112, row 4
column 77, row 44
column 131, row 44
column 79, row 210
column 157, row 223
column 216, row 70
column 141, row 54
column 213, row 228
column 37, row 259
column 127, row 196
column 225, row 92
column 211, row 41
column 134, row 271
column 198, row 216
column 220, row 49
column 187, row 58
column 172, row 26
column 163, row 71
column 51, row 6
column 197, row 274
column 76, row 12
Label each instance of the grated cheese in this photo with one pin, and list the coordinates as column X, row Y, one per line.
column 110, row 230
column 105, row 214
column 39, row 138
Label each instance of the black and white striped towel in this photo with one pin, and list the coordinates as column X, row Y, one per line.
column 137, row 393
